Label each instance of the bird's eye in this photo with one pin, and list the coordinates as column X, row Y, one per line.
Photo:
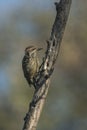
column 27, row 53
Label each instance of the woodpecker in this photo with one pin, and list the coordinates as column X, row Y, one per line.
column 30, row 64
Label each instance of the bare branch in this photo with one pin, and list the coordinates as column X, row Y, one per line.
column 42, row 79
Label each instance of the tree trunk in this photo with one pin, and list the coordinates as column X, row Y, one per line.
column 42, row 79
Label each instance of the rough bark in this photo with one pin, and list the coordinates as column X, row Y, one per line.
column 42, row 79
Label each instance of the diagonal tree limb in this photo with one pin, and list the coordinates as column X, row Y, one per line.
column 42, row 79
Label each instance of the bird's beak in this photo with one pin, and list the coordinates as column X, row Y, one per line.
column 39, row 49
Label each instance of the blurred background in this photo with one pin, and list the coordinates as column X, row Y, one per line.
column 27, row 22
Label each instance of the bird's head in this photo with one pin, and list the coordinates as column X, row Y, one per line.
column 31, row 51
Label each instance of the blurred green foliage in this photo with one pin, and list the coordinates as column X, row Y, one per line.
column 66, row 104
